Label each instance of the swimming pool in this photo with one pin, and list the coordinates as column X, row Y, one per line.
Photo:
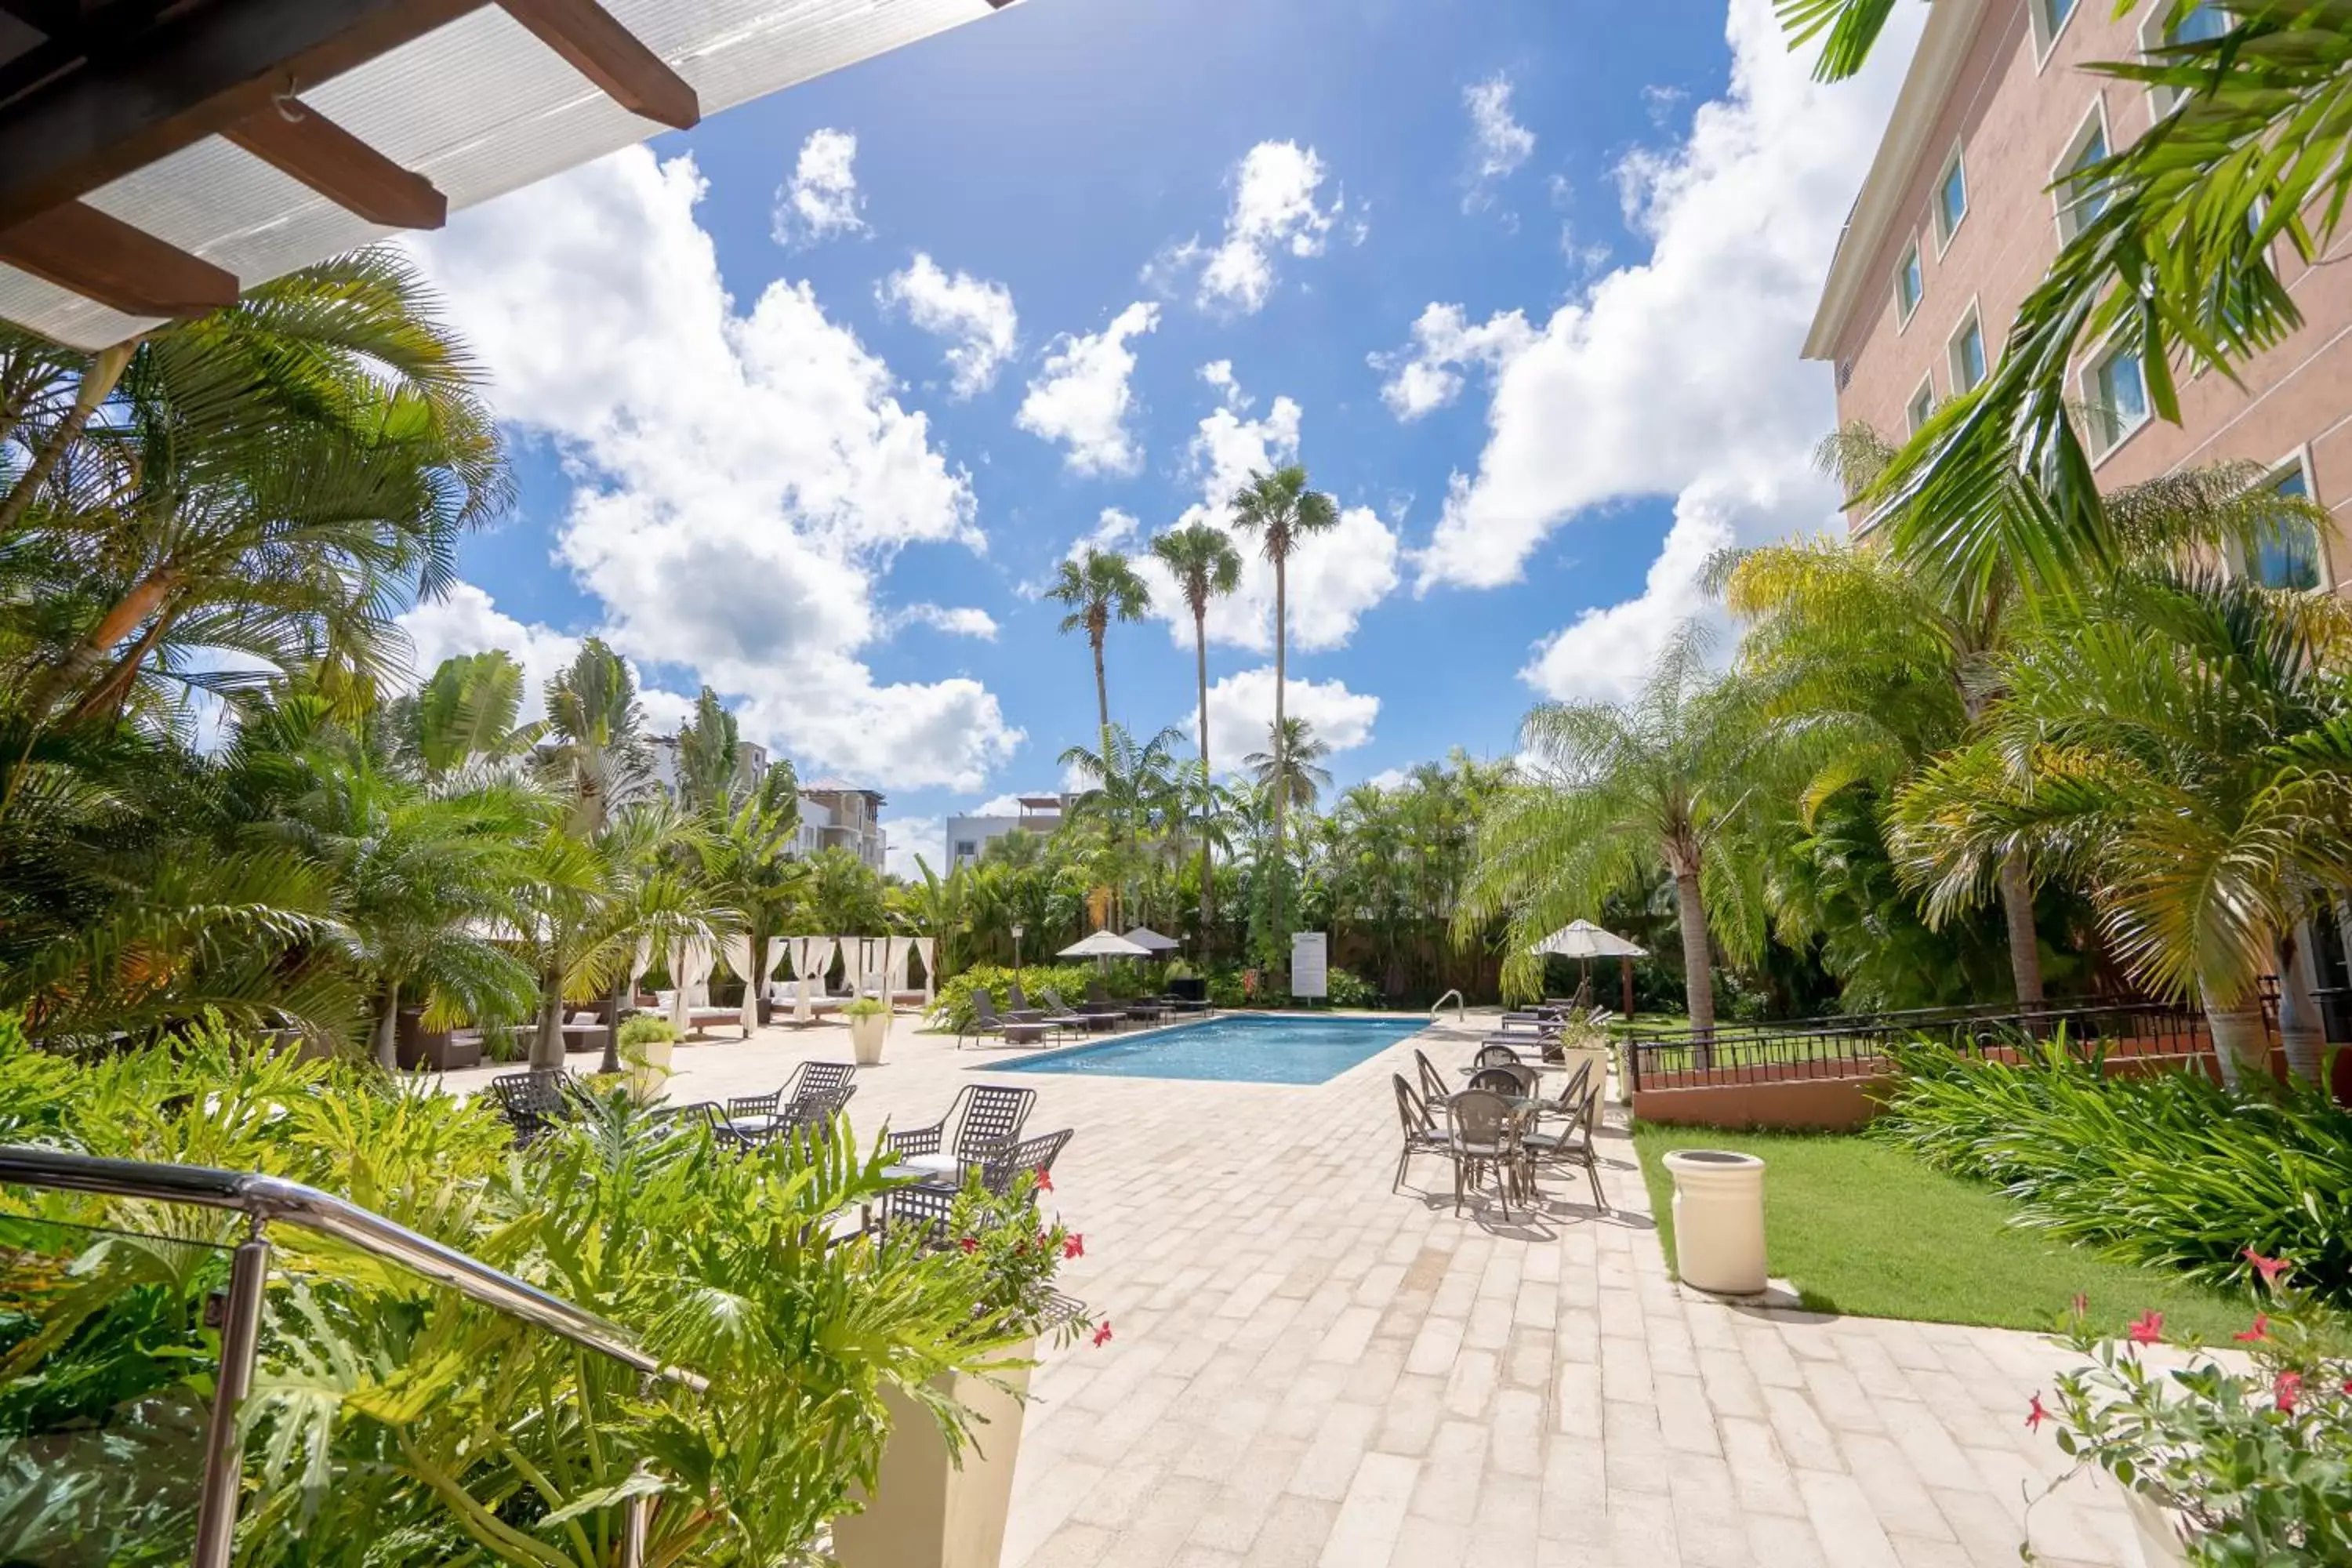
column 1243, row 1050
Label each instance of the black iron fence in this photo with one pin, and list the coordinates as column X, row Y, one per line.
column 1848, row 1046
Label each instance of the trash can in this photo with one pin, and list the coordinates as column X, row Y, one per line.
column 1718, row 1220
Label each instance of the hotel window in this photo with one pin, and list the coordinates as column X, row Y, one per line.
column 2286, row 555
column 1968, row 351
column 2202, row 24
column 2050, row 19
column 1922, row 404
column 1909, row 285
column 1952, row 199
column 2118, row 397
column 2081, row 198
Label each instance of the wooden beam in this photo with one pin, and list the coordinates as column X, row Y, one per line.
column 296, row 138
column 186, row 79
column 609, row 55
column 101, row 258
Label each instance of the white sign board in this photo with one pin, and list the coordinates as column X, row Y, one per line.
column 1311, row 963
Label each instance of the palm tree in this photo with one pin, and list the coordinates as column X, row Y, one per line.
column 1290, row 775
column 1096, row 588
column 1132, row 791
column 1280, row 509
column 709, row 762
column 601, row 758
column 1658, row 785
column 2183, row 743
column 1206, row 567
column 465, row 712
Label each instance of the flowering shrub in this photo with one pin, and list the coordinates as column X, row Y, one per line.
column 1017, row 1251
column 2257, row 1464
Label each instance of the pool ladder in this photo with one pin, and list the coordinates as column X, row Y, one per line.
column 1461, row 1008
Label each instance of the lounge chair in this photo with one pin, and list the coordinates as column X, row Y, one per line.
column 1080, row 1018
column 986, row 1118
column 986, row 1020
column 1423, row 1135
column 1148, row 1010
column 585, row 1032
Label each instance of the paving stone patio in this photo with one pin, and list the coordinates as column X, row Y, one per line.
column 1308, row 1371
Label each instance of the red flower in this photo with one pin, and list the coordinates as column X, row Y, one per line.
column 970, row 1244
column 2148, row 1328
column 2256, row 1335
column 2269, row 1269
column 2288, row 1390
column 1044, row 1180
column 1102, row 1335
column 2035, row 1415
column 1074, row 1245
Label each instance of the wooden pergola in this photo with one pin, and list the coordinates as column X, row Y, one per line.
column 157, row 156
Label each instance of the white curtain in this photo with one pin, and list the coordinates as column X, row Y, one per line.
column 738, row 959
column 813, row 957
column 638, row 967
column 900, row 946
column 861, row 971
column 926, row 946
column 690, row 971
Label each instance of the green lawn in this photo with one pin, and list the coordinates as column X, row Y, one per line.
column 1861, row 1228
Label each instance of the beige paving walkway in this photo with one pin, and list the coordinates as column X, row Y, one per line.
column 1308, row 1369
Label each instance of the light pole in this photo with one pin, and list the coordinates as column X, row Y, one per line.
column 1016, row 949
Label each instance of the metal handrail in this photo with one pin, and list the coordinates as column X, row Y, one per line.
column 271, row 1198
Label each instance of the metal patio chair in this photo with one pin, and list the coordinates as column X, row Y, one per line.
column 1423, row 1135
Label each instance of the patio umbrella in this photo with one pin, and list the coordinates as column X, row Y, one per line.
column 1584, row 942
column 1106, row 944
column 1145, row 937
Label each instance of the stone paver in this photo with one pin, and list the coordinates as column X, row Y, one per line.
column 1309, row 1370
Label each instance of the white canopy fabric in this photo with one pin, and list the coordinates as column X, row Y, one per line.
column 690, row 971
column 1582, row 938
column 738, row 959
column 1104, row 944
column 895, row 980
column 926, row 946
column 812, row 956
column 480, row 107
column 1144, row 936
column 637, row 967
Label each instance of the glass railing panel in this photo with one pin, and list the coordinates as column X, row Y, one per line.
column 107, row 1365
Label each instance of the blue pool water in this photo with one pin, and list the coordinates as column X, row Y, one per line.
column 1233, row 1050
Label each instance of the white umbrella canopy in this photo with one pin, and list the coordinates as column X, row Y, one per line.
column 1145, row 937
column 1582, row 938
column 1104, row 944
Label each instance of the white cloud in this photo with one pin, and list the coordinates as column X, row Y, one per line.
column 1679, row 376
column 1274, row 212
column 741, row 482
column 1219, row 373
column 1241, row 714
column 909, row 837
column 820, row 198
column 959, row 620
column 1389, row 778
column 974, row 315
column 1428, row 374
column 1081, row 397
column 1498, row 144
column 995, row 805
column 1115, row 529
column 1335, row 576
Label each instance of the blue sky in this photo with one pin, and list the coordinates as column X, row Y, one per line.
column 808, row 401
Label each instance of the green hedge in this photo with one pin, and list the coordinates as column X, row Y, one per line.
column 952, row 1009
column 2166, row 1169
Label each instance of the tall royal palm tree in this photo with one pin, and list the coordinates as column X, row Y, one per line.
column 2185, row 753
column 1283, row 511
column 1621, row 795
column 1097, row 589
column 1206, row 567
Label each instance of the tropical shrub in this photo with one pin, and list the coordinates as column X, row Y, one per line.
column 1344, row 988
column 2166, row 1169
column 866, row 1008
column 952, row 1009
column 2257, row 1464
column 646, row 1029
column 394, row 1423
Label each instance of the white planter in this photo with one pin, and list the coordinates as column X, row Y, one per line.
column 927, row 1510
column 1718, row 1220
column 2161, row 1545
column 866, row 1037
column 648, row 1063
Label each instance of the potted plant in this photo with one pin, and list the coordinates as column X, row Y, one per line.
column 645, row 1044
column 943, row 1486
column 869, row 1025
column 2218, row 1464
